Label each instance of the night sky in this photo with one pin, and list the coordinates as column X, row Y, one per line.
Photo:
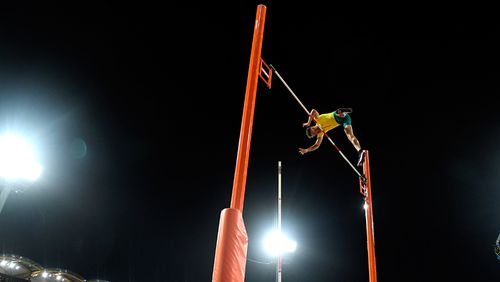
column 135, row 110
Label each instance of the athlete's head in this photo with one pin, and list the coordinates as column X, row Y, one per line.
column 312, row 131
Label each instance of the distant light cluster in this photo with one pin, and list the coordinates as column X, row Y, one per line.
column 24, row 268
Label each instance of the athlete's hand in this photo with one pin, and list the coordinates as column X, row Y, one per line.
column 302, row 151
column 305, row 124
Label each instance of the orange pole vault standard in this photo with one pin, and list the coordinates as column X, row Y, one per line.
column 366, row 190
column 232, row 239
column 240, row 175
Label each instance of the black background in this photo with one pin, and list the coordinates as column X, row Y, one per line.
column 156, row 93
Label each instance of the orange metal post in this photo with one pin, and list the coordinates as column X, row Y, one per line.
column 240, row 175
column 232, row 239
column 372, row 265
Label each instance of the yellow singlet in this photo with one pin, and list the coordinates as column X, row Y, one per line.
column 327, row 122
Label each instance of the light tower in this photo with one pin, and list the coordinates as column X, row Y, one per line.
column 277, row 243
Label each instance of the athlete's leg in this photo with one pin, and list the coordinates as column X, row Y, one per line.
column 350, row 135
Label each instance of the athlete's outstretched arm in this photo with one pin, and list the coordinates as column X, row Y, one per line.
column 315, row 146
column 314, row 114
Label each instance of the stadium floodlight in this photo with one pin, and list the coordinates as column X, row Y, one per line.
column 17, row 160
column 17, row 164
column 277, row 243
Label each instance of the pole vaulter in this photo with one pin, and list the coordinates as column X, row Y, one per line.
column 273, row 70
column 232, row 240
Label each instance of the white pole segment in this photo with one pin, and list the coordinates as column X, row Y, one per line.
column 279, row 217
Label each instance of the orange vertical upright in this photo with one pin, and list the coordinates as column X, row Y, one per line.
column 240, row 175
column 367, row 192
column 232, row 240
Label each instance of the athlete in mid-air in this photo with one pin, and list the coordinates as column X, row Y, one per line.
column 327, row 122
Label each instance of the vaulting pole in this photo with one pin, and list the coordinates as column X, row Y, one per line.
column 232, row 240
column 309, row 113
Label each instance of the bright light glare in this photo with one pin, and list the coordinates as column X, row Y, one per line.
column 277, row 243
column 365, row 206
column 17, row 159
